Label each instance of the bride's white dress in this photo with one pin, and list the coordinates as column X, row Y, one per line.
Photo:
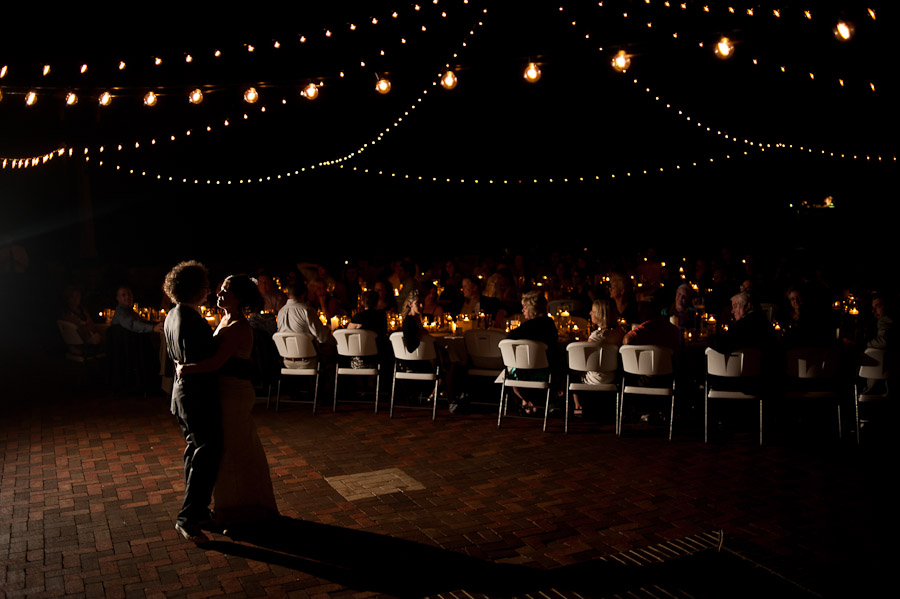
column 243, row 491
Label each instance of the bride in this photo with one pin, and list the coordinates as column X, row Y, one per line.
column 243, row 491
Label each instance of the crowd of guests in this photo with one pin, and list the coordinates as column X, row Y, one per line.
column 644, row 300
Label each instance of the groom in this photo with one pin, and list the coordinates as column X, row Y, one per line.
column 195, row 399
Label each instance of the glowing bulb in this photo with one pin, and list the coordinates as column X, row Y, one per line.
column 105, row 99
column 121, row 65
column 150, row 99
column 725, row 48
column 383, row 86
column 621, row 61
column 30, row 98
column 71, row 99
column 250, row 96
column 196, row 96
column 448, row 81
column 188, row 58
column 157, row 61
column 843, row 31
column 532, row 73
column 46, row 69
column 3, row 71
column 311, row 91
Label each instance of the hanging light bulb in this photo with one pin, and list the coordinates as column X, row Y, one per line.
column 71, row 99
column 383, row 86
column 311, row 91
column 121, row 65
column 150, row 99
column 532, row 73
column 2, row 71
column 105, row 99
column 724, row 48
column 30, row 98
column 621, row 61
column 46, row 69
column 196, row 96
column 250, row 96
column 448, row 81
column 843, row 31
column 84, row 68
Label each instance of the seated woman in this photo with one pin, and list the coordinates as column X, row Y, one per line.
column 537, row 326
column 413, row 332
column 75, row 313
column 431, row 309
column 605, row 334
column 374, row 319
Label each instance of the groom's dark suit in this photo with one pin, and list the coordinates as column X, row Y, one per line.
column 195, row 403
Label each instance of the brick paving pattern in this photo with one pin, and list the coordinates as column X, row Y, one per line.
column 90, row 485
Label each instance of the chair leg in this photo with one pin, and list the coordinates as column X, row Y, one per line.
column 316, row 392
column 706, row 414
column 434, row 403
column 336, row 376
column 500, row 410
column 671, row 418
column 566, row 417
column 840, row 432
column 377, row 387
column 760, row 421
column 393, row 390
column 547, row 407
column 856, row 404
column 277, row 397
column 621, row 408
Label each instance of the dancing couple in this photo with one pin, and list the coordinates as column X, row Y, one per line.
column 212, row 397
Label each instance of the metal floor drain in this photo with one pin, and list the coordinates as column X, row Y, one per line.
column 364, row 485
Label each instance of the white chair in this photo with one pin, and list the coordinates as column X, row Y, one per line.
column 589, row 356
column 297, row 346
column 76, row 349
column 527, row 355
column 424, row 353
column 736, row 366
column 357, row 343
column 483, row 349
column 813, row 375
column 875, row 365
column 647, row 360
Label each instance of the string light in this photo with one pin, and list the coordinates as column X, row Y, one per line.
column 311, row 91
column 250, row 96
column 30, row 98
column 46, row 70
column 448, row 81
column 196, row 96
column 725, row 48
column 150, row 99
column 71, row 99
column 532, row 73
column 105, row 99
column 621, row 61
column 843, row 31
column 383, row 86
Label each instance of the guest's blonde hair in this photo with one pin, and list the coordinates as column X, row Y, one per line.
column 536, row 301
column 412, row 298
column 601, row 306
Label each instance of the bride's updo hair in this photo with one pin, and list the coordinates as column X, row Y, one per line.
column 246, row 292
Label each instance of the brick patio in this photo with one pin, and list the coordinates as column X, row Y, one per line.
column 375, row 506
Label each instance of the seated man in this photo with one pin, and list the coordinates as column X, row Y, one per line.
column 750, row 329
column 474, row 303
column 296, row 316
column 134, row 363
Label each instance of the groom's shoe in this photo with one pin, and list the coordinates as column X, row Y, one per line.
column 191, row 532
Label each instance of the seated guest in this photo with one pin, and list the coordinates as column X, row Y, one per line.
column 75, row 313
column 319, row 298
column 273, row 298
column 431, row 310
column 298, row 317
column 805, row 324
column 658, row 331
column 473, row 303
column 407, row 282
column 133, row 361
column 883, row 325
column 623, row 303
column 538, row 326
column 374, row 319
column 750, row 329
column 608, row 333
column 682, row 313
column 385, row 291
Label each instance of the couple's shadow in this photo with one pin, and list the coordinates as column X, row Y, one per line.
column 367, row 561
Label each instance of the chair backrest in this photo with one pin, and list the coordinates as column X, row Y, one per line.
column 769, row 311
column 587, row 356
column 742, row 362
column 483, row 348
column 425, row 351
column 646, row 360
column 876, row 364
column 523, row 353
column 295, row 345
column 356, row 342
column 69, row 332
column 812, row 363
